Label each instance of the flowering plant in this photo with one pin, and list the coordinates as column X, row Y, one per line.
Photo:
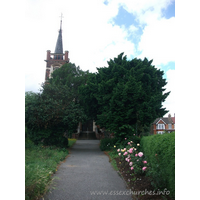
column 131, row 157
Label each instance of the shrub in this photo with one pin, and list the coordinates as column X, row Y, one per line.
column 160, row 153
column 107, row 144
column 128, row 138
column 131, row 156
column 52, row 136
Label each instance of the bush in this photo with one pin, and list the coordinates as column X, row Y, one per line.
column 107, row 144
column 160, row 153
column 124, row 142
column 132, row 157
column 51, row 137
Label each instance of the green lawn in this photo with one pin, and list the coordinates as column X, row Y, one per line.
column 40, row 163
column 71, row 142
column 113, row 155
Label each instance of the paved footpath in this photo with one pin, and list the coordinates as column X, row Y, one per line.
column 87, row 170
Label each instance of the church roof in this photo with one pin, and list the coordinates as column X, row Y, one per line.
column 59, row 45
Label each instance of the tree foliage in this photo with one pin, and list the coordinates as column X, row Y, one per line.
column 126, row 95
column 56, row 109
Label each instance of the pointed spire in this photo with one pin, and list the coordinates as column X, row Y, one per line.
column 59, row 45
column 61, row 21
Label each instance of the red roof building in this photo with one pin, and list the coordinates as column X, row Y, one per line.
column 163, row 124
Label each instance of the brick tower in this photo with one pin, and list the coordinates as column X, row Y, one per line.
column 58, row 58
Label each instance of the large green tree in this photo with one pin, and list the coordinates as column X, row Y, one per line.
column 56, row 109
column 126, row 95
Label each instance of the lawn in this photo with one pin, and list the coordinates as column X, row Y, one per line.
column 40, row 163
column 71, row 142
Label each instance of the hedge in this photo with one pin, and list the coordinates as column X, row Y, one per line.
column 159, row 151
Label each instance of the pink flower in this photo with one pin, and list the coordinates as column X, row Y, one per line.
column 140, row 154
column 132, row 168
column 118, row 150
column 125, row 138
column 144, row 161
column 131, row 163
column 144, row 168
column 125, row 153
column 128, row 160
column 129, row 143
column 119, row 154
column 130, row 150
column 136, row 155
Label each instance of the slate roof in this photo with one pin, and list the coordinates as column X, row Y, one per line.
column 166, row 120
column 59, row 45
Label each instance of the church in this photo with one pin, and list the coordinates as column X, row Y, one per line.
column 56, row 60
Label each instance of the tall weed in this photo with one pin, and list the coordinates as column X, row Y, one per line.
column 40, row 164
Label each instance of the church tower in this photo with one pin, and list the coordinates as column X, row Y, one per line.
column 58, row 58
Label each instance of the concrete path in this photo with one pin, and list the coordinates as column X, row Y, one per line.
column 87, row 174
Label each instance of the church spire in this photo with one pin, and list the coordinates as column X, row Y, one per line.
column 58, row 58
column 59, row 45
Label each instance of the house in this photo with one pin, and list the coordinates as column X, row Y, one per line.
column 163, row 124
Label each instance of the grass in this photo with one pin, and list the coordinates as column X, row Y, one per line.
column 40, row 163
column 71, row 142
column 112, row 155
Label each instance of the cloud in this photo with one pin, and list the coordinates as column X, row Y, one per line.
column 146, row 11
column 103, row 44
column 88, row 34
column 94, row 38
column 158, row 40
column 132, row 28
column 32, row 83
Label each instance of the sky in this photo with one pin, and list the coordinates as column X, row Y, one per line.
column 95, row 31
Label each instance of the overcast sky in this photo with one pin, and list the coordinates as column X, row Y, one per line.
column 95, row 31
